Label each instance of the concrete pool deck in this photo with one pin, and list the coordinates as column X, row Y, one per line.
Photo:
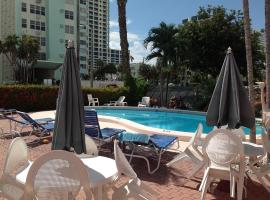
column 170, row 183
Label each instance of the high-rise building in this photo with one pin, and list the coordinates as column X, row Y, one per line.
column 98, row 31
column 53, row 23
column 115, row 56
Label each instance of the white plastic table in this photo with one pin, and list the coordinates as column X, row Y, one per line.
column 101, row 170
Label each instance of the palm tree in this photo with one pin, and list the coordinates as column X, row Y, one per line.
column 28, row 48
column 123, row 36
column 267, row 40
column 9, row 48
column 249, row 63
column 162, row 44
column 21, row 54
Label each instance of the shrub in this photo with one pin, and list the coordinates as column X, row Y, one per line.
column 38, row 97
column 137, row 87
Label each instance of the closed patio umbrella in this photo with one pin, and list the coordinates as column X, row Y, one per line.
column 69, row 119
column 229, row 104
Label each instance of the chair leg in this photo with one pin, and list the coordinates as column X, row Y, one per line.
column 240, row 185
column 204, row 179
column 205, row 187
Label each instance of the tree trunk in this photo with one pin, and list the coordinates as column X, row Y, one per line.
column 161, row 80
column 267, row 40
column 167, row 88
column 123, row 36
column 249, row 64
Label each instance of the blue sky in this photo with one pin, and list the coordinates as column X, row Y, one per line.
column 142, row 15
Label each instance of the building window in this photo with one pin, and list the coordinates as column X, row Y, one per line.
column 82, row 58
column 24, row 7
column 68, row 14
column 69, row 29
column 32, row 24
column 43, row 27
column 32, row 9
column 43, row 41
column 42, row 11
column 83, row 66
column 83, row 2
column 24, row 23
column 36, row 25
column 38, row 10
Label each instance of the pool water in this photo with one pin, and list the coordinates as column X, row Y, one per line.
column 164, row 120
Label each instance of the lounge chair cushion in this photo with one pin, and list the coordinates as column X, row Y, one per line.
column 134, row 137
column 48, row 126
column 105, row 132
column 109, row 132
column 162, row 141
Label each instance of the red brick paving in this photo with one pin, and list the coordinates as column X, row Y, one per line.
column 170, row 183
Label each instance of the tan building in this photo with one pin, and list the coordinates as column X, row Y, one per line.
column 98, row 31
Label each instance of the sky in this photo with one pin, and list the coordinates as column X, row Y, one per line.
column 142, row 15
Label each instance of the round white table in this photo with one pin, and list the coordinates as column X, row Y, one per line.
column 101, row 170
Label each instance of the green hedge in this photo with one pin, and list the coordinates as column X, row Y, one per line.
column 38, row 97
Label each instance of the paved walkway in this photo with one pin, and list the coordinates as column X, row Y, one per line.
column 170, row 183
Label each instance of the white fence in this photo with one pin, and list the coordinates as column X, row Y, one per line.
column 100, row 84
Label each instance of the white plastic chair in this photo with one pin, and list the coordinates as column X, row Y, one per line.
column 239, row 132
column 260, row 168
column 92, row 101
column 16, row 160
column 91, row 147
column 134, row 188
column 192, row 152
column 57, row 175
column 119, row 102
column 145, row 102
column 224, row 155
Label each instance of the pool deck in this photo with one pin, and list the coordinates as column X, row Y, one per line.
column 170, row 183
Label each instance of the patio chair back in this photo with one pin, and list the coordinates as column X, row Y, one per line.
column 222, row 148
column 122, row 163
column 57, row 175
column 195, row 141
column 121, row 99
column 146, row 101
column 133, row 188
column 91, row 121
column 239, row 131
column 265, row 141
column 17, row 156
column 91, row 147
column 90, row 97
column 29, row 119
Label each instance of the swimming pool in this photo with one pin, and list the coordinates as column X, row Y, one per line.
column 169, row 120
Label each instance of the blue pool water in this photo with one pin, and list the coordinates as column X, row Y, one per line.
column 164, row 120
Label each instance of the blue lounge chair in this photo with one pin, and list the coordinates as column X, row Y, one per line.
column 150, row 145
column 92, row 128
column 41, row 126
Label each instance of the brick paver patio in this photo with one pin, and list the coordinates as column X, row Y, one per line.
column 170, row 183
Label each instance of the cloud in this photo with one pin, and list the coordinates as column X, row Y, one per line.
column 136, row 47
column 112, row 1
column 113, row 24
